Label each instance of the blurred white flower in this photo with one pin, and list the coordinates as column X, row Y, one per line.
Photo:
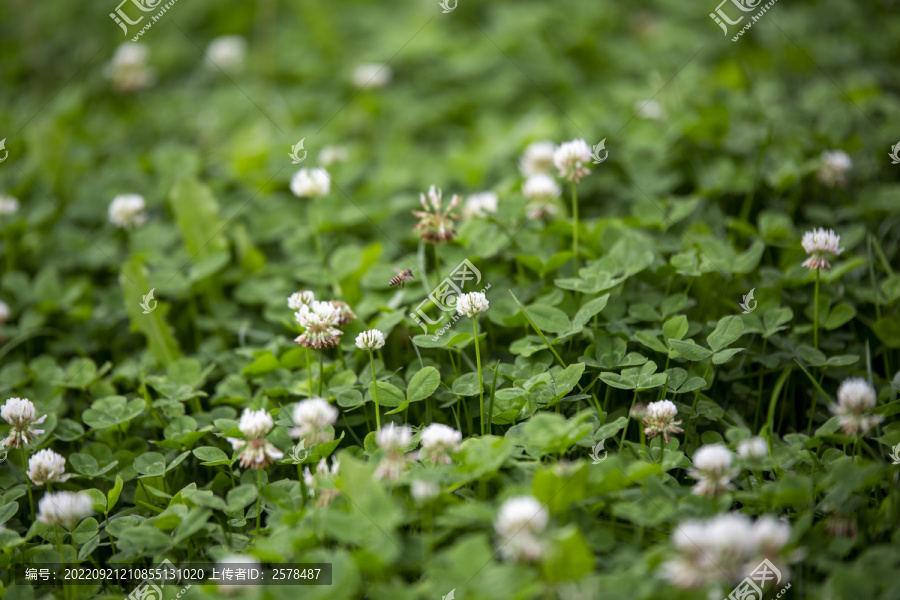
column 312, row 416
column 712, row 470
column 256, row 452
column 373, row 75
column 649, row 109
column 321, row 483
column 819, row 243
column 753, row 448
column 520, row 521
column 438, row 441
column 64, row 508
column 660, row 419
column 477, row 205
column 537, row 158
column 8, row 205
column 424, row 491
column 571, row 157
column 226, row 52
column 472, row 304
column 855, row 399
column 345, row 314
column 393, row 440
column 128, row 70
column 46, row 466
column 300, row 299
column 331, row 155
column 370, row 340
column 835, row 166
column 310, row 183
column 320, row 321
column 127, row 210
column 541, row 187
column 20, row 413
column 4, row 312
column 232, row 561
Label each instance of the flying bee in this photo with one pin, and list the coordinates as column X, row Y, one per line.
column 402, row 277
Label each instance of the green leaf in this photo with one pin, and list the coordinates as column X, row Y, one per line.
column 568, row 379
column 210, row 455
column 84, row 464
column 840, row 314
column 650, row 341
column 241, row 496
column 423, row 384
column 549, row 318
column 569, row 556
column 112, row 411
column 589, row 309
column 466, row 385
column 197, row 216
column 689, row 350
column 153, row 326
column 150, row 464
column 726, row 333
column 725, row 355
column 113, row 496
column 389, row 395
column 675, row 328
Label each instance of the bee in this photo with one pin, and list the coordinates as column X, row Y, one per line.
column 401, row 278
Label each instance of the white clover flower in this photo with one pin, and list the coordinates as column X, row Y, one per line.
column 332, row 155
column 127, row 210
column 312, row 416
column 321, row 483
column 311, row 183
column 723, row 550
column 649, row 109
column 256, row 452
column 541, row 187
column 4, row 312
column 128, row 70
column 660, row 419
column 835, row 166
column 20, row 413
column 8, row 205
column 435, row 223
column 571, row 157
column 472, row 304
column 64, row 508
column 232, row 561
column 297, row 300
column 818, row 243
column 855, row 399
column 46, row 466
column 712, row 470
column 424, row 491
column 227, row 53
column 372, row 76
column 753, row 448
column 478, row 205
column 320, row 322
column 537, row 158
column 520, row 520
column 393, row 440
column 438, row 441
column 370, row 340
column 345, row 314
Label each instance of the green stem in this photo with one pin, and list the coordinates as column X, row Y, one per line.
column 575, row 226
column 27, row 480
column 478, row 363
column 491, row 403
column 258, row 499
column 309, row 373
column 321, row 373
column 627, row 420
column 816, row 313
column 662, row 449
column 437, row 267
column 375, row 390
column 694, row 405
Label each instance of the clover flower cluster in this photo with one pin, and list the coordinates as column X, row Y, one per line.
column 436, row 223
column 320, row 320
column 321, row 483
column 855, row 399
column 392, row 440
column 835, row 165
column 313, row 417
column 21, row 414
column 659, row 419
column 726, row 548
column 819, row 244
column 64, row 508
column 255, row 451
column 128, row 69
column 712, row 470
column 127, row 211
column 519, row 524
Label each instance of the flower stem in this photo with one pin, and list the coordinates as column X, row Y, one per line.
column 478, row 364
column 321, row 373
column 690, row 426
column 258, row 499
column 816, row 313
column 627, row 420
column 375, row 390
column 575, row 226
column 27, row 480
column 437, row 266
column 309, row 372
